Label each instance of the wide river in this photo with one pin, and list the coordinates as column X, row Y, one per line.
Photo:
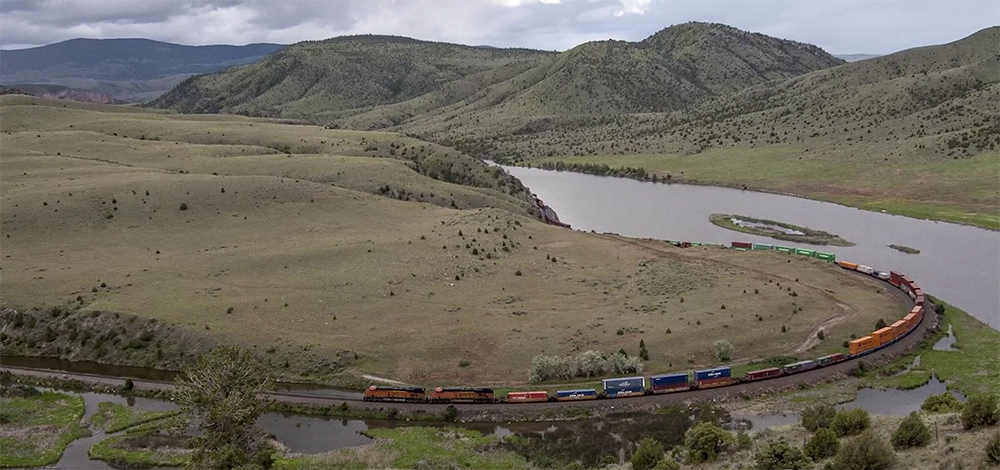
column 957, row 263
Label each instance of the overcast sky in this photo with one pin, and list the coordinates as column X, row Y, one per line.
column 838, row 26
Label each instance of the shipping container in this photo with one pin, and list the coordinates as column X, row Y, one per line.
column 742, row 245
column 895, row 278
column 898, row 327
column 804, row 252
column 910, row 319
column 762, row 246
column 695, row 243
column 783, row 249
column 862, row 344
column 762, row 374
column 829, row 359
column 800, row 366
column 882, row 275
column 712, row 373
column 527, row 397
column 826, row 256
column 919, row 301
column 624, row 387
column 848, row 265
column 882, row 336
column 669, row 383
column 570, row 395
column 865, row 269
column 710, row 383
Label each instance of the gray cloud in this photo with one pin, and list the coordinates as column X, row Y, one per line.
column 839, row 26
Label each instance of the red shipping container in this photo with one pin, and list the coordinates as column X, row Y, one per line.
column 517, row 397
column 763, row 374
column 895, row 278
column 719, row 382
column 742, row 245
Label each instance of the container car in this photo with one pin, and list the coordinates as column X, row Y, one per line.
column 669, row 383
column 804, row 252
column 882, row 336
column 797, row 367
column 783, row 249
column 882, row 275
column 861, row 345
column 527, row 397
column 848, row 265
column 462, row 395
column 865, row 269
column 895, row 278
column 762, row 374
column 763, row 247
column 742, row 245
column 826, row 256
column 624, row 387
column 572, row 395
column 708, row 378
column 398, row 394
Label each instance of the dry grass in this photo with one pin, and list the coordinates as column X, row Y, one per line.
column 312, row 262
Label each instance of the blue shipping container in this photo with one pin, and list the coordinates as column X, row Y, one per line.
column 712, row 373
column 668, row 380
column 626, row 384
column 569, row 393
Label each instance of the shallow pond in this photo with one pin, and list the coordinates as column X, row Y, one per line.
column 959, row 264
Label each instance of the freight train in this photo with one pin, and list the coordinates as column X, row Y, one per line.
column 693, row 380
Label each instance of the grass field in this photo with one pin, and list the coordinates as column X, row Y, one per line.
column 35, row 430
column 962, row 191
column 113, row 417
column 302, row 256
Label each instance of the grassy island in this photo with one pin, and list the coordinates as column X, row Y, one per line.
column 777, row 230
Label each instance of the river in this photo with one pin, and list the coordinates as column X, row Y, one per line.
column 959, row 264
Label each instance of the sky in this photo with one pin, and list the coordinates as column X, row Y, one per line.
column 838, row 26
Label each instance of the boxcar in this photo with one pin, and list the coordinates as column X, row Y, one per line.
column 669, row 383
column 624, row 387
column 527, row 397
column 404, row 394
column 462, row 395
column 762, row 374
column 797, row 367
column 709, row 378
column 862, row 344
column 830, row 359
column 571, row 395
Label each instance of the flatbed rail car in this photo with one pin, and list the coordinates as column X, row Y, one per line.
column 680, row 382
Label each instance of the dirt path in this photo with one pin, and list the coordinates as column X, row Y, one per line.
column 813, row 339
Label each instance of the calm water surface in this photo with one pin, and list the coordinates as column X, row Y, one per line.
column 957, row 263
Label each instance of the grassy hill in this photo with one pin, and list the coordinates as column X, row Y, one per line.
column 332, row 254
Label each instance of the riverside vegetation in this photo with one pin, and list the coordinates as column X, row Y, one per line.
column 679, row 106
column 297, row 241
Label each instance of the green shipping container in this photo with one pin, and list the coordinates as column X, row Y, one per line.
column 800, row 251
column 762, row 246
column 783, row 249
column 695, row 244
column 826, row 256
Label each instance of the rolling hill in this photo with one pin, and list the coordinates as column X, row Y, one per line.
column 124, row 68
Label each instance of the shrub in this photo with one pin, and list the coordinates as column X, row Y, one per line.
column 780, row 454
column 743, row 440
column 184, row 206
column 451, row 413
column 980, row 410
column 993, row 450
column 822, row 445
column 869, row 451
column 912, row 432
column 464, row 363
column 517, row 273
column 704, row 441
column 723, row 350
column 880, row 324
column 667, row 464
column 647, row 455
column 818, row 416
column 943, row 403
column 850, row 422
column 129, row 385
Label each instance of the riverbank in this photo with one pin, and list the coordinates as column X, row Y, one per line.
column 777, row 230
column 965, row 191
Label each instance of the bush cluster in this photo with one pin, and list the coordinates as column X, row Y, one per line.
column 850, row 422
column 585, row 364
column 943, row 403
column 818, row 416
column 980, row 411
column 912, row 432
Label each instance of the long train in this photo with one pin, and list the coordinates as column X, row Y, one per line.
column 623, row 387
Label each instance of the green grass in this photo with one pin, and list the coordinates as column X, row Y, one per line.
column 408, row 447
column 973, row 368
column 36, row 430
column 116, row 449
column 114, row 417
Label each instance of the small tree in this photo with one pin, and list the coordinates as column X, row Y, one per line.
column 743, row 440
column 780, row 455
column 723, row 350
column 704, row 441
column 822, row 445
column 647, row 455
column 667, row 463
column 912, row 432
column 869, row 451
column 979, row 411
column 943, row 403
column 851, row 422
column 880, row 324
column 222, row 394
column 818, row 416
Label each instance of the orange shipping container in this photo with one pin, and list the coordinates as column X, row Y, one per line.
column 882, row 336
column 862, row 344
column 898, row 329
column 911, row 320
column 848, row 265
